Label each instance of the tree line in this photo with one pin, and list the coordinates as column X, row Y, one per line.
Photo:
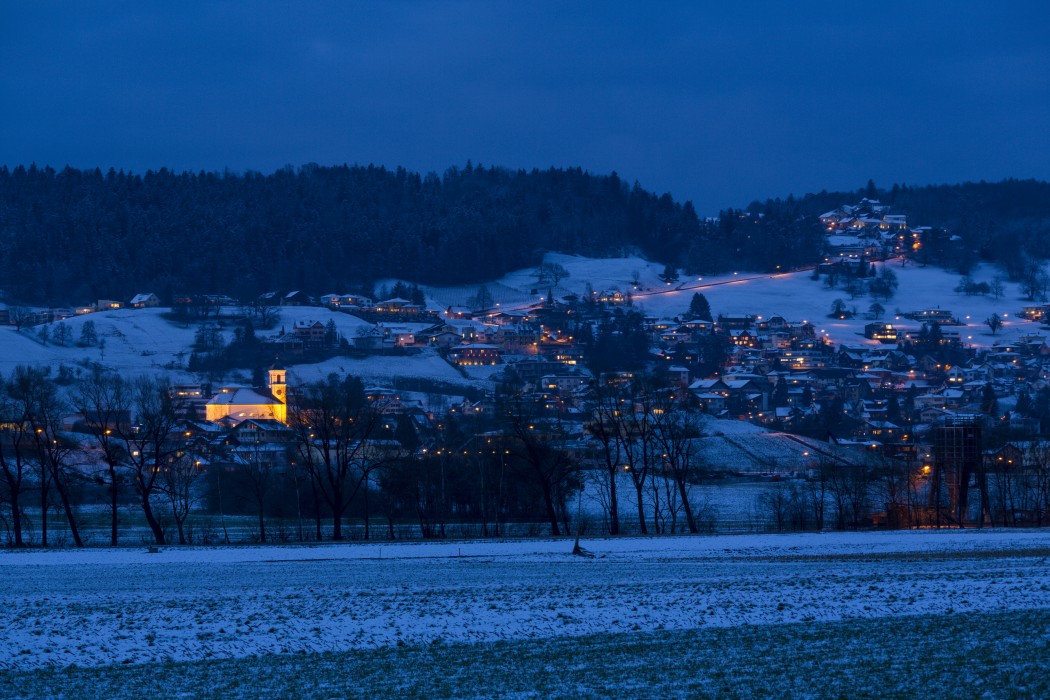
column 72, row 236
column 346, row 466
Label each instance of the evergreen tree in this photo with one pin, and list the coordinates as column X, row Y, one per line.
column 893, row 409
column 1024, row 404
column 780, row 393
column 481, row 300
column 699, row 307
column 989, row 402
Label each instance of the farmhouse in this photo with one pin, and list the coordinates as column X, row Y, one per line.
column 148, row 300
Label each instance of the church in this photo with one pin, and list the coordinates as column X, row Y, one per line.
column 240, row 403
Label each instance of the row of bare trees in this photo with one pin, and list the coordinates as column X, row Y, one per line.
column 521, row 463
column 350, row 459
column 38, row 456
column 344, row 459
column 651, row 435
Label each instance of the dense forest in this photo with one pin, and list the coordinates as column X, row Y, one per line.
column 72, row 236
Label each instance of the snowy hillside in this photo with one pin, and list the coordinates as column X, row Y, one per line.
column 138, row 341
column 795, row 296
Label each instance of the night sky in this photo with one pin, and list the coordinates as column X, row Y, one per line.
column 719, row 105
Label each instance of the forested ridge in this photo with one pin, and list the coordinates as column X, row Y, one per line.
column 72, row 236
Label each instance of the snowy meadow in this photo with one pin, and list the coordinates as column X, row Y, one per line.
column 672, row 616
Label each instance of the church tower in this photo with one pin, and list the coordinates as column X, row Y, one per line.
column 278, row 385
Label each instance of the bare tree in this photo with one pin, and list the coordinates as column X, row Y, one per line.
column 256, row 478
column 676, row 434
column 997, row 288
column 994, row 322
column 551, row 274
column 604, row 428
column 1037, row 463
column 849, row 487
column 638, row 442
column 14, row 460
column 149, row 443
column 538, row 448
column 178, row 479
column 42, row 408
column 104, row 401
column 333, row 421
column 20, row 316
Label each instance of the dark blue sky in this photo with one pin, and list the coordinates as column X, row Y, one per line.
column 717, row 105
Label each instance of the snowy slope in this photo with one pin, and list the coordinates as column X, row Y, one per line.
column 143, row 341
column 794, row 296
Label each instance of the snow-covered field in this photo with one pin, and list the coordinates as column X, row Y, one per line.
column 104, row 607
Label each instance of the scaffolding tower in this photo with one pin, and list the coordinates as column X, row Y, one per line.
column 958, row 466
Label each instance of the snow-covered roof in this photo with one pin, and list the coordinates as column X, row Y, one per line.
column 241, row 397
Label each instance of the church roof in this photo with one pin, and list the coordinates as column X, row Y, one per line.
column 243, row 397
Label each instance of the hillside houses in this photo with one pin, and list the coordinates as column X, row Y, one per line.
column 868, row 230
column 867, row 216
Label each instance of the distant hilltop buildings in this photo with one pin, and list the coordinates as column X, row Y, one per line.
column 869, row 216
column 869, row 231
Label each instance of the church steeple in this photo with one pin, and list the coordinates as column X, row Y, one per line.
column 277, row 381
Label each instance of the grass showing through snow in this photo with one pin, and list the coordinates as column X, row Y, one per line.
column 992, row 655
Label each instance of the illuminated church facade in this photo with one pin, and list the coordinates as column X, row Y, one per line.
column 241, row 403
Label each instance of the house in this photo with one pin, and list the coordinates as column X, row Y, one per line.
column 147, row 300
column 310, row 332
column 712, row 402
column 677, row 375
column 1035, row 313
column 443, row 336
column 372, row 339
column 475, row 354
column 354, row 301
column 562, row 383
column 403, row 335
column 882, row 332
column 776, row 322
column 735, row 323
column 258, row 431
column 937, row 315
column 288, row 345
column 108, row 304
column 397, row 306
column 296, row 298
column 879, row 430
column 613, row 296
column 744, row 339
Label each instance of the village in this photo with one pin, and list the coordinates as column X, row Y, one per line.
column 897, row 401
